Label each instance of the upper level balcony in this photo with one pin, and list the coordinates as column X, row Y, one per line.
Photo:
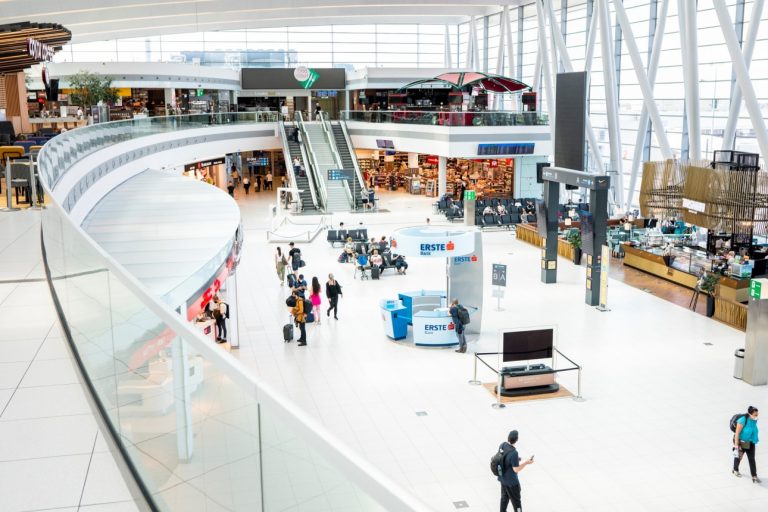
column 447, row 118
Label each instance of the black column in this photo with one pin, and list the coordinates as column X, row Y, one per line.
column 598, row 207
column 549, row 252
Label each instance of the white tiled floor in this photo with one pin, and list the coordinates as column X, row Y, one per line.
column 51, row 454
column 651, row 436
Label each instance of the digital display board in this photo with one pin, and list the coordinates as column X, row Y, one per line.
column 512, row 148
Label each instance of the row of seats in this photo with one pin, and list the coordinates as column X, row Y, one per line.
column 340, row 236
column 507, row 221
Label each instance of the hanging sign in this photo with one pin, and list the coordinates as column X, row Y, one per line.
column 305, row 76
column 39, row 51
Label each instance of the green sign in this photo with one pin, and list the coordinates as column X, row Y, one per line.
column 305, row 76
column 199, row 92
column 470, row 195
column 755, row 288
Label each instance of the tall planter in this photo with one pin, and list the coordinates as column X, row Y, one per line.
column 710, row 306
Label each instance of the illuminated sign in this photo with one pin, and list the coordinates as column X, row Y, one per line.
column 305, row 76
column 511, row 148
column 39, row 51
column 428, row 249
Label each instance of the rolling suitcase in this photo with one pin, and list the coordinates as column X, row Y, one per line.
column 375, row 271
column 288, row 333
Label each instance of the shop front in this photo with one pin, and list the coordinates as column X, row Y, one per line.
column 212, row 171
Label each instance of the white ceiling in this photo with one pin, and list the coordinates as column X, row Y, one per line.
column 95, row 20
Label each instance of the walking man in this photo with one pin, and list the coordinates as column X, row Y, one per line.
column 333, row 292
column 456, row 316
column 268, row 185
column 510, row 467
column 296, row 165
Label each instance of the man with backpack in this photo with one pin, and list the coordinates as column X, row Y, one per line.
column 460, row 317
column 294, row 254
column 300, row 317
column 505, row 465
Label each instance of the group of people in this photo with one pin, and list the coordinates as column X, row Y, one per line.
column 303, row 312
column 499, row 210
column 371, row 254
column 235, row 179
column 218, row 310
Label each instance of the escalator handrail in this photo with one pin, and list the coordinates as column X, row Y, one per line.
column 289, row 168
column 352, row 155
column 313, row 167
column 335, row 151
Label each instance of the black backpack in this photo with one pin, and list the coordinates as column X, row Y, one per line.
column 497, row 461
column 290, row 301
column 463, row 314
column 307, row 306
column 735, row 420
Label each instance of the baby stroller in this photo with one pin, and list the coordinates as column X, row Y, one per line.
column 362, row 266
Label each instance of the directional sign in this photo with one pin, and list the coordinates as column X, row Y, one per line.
column 756, row 288
column 499, row 275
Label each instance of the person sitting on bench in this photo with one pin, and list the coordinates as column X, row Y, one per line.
column 377, row 260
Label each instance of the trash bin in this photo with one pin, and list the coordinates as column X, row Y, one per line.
column 738, row 366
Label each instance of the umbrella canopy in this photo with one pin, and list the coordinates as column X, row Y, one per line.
column 462, row 79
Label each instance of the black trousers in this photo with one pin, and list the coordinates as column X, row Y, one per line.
column 750, row 457
column 334, row 306
column 221, row 324
column 303, row 330
column 510, row 493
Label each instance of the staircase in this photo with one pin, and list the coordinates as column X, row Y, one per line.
column 302, row 182
column 338, row 201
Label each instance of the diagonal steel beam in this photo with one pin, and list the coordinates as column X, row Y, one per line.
column 729, row 135
column 742, row 76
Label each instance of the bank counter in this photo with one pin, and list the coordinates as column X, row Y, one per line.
column 426, row 311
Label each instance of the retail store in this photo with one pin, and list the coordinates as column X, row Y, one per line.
column 418, row 174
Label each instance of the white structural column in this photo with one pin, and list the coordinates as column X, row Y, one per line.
column 568, row 67
column 510, row 45
column 729, row 136
column 470, row 42
column 442, row 173
column 547, row 71
column 448, row 60
column 642, row 125
column 413, row 160
column 688, row 38
column 475, row 47
column 170, row 99
column 742, row 76
column 642, row 79
column 611, row 101
column 591, row 38
column 503, row 26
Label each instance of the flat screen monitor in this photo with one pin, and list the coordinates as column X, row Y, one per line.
column 385, row 144
column 587, row 228
column 527, row 345
column 541, row 217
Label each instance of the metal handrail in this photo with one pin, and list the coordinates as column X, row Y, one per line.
column 448, row 117
column 352, row 154
column 348, row 193
column 289, row 167
column 312, row 160
column 335, row 151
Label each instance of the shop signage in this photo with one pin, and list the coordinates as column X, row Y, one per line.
column 433, row 160
column 428, row 249
column 433, row 242
column 205, row 163
column 695, row 206
column 199, row 92
column 512, row 148
column 499, row 275
column 756, row 288
column 39, row 51
column 458, row 260
column 339, row 174
column 201, row 299
column 305, row 76
column 470, row 195
column 428, row 328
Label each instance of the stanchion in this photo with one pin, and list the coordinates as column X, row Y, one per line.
column 474, row 380
column 578, row 397
column 8, row 187
column 497, row 404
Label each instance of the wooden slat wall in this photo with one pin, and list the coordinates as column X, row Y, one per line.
column 731, row 313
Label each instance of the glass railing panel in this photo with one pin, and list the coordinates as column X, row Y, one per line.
column 445, row 118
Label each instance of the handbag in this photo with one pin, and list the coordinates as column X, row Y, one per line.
column 745, row 445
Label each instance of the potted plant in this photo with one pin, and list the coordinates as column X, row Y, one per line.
column 708, row 286
column 89, row 89
column 574, row 238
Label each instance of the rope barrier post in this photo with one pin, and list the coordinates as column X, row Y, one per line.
column 474, row 380
column 578, row 397
column 8, row 187
column 497, row 404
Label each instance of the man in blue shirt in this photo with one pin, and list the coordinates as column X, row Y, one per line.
column 510, row 484
column 458, row 326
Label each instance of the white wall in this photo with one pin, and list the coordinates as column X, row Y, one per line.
column 448, row 141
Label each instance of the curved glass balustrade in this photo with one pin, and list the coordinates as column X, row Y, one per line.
column 197, row 430
column 440, row 118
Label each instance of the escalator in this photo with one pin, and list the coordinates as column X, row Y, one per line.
column 292, row 150
column 348, row 158
column 336, row 193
